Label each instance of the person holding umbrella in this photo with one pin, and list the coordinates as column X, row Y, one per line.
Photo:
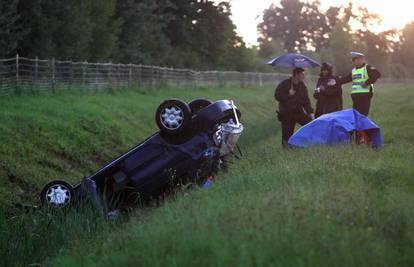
column 294, row 104
column 328, row 92
column 292, row 94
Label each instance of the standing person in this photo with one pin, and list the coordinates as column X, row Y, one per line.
column 293, row 99
column 363, row 77
column 328, row 92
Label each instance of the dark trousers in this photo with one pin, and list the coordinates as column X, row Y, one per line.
column 362, row 102
column 325, row 105
column 289, row 121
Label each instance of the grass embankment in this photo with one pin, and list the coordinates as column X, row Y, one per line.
column 321, row 206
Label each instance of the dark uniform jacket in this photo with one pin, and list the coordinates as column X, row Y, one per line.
column 293, row 104
column 373, row 75
column 329, row 98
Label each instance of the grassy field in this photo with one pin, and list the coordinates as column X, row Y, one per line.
column 341, row 206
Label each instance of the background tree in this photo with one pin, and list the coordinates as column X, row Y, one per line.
column 213, row 35
column 300, row 25
column 203, row 36
column 340, row 45
column 270, row 48
column 142, row 38
column 72, row 37
column 11, row 31
column 304, row 28
column 405, row 54
column 106, row 28
column 197, row 34
column 56, row 28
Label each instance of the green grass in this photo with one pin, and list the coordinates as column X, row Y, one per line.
column 342, row 206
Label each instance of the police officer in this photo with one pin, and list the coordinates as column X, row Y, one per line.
column 294, row 104
column 363, row 77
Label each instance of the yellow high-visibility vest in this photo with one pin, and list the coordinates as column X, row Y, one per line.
column 359, row 78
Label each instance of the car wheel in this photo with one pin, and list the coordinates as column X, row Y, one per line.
column 198, row 104
column 57, row 194
column 173, row 117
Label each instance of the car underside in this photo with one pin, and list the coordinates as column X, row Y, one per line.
column 191, row 146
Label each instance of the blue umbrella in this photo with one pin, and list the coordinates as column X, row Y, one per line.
column 293, row 60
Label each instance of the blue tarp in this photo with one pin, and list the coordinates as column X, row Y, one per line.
column 334, row 128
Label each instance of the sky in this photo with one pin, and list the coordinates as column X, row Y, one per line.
column 248, row 13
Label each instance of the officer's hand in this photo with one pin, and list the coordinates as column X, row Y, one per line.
column 312, row 116
column 292, row 92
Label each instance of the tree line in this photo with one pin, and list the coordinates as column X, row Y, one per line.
column 197, row 34
column 329, row 35
column 177, row 33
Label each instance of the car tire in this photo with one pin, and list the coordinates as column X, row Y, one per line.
column 198, row 104
column 57, row 194
column 173, row 117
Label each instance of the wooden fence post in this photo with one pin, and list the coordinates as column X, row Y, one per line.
column 36, row 70
column 96, row 76
column 141, row 82
column 17, row 89
column 52, row 62
column 152, row 76
column 129, row 75
column 260, row 79
column 71, row 74
column 84, row 66
column 17, row 68
column 110, row 74
column 194, row 76
column 118, row 75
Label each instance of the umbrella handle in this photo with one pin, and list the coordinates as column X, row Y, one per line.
column 291, row 85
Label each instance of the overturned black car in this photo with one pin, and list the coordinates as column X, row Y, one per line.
column 191, row 146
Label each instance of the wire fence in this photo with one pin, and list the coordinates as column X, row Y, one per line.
column 21, row 75
column 24, row 75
